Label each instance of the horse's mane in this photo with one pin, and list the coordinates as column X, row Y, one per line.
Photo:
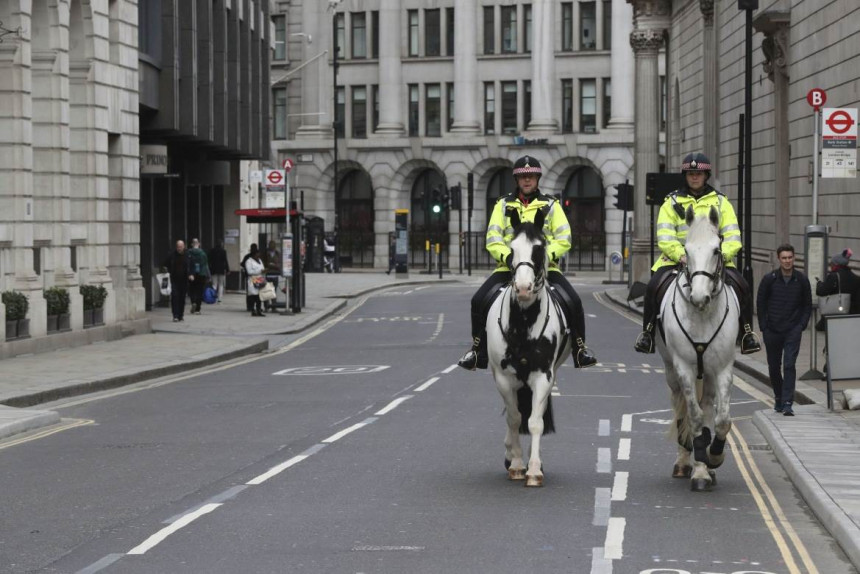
column 701, row 229
column 532, row 232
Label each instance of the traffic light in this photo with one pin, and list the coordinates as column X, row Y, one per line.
column 470, row 191
column 455, row 193
column 436, row 200
column 624, row 199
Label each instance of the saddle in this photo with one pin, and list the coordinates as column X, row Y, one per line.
column 659, row 295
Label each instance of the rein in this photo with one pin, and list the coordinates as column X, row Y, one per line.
column 700, row 348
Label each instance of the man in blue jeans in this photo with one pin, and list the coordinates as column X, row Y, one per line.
column 784, row 306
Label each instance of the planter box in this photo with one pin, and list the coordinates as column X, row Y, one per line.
column 53, row 323
column 88, row 317
column 11, row 330
column 23, row 328
column 98, row 316
column 64, row 322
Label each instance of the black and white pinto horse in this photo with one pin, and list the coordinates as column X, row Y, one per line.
column 699, row 317
column 526, row 342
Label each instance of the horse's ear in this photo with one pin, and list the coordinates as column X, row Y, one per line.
column 714, row 216
column 515, row 216
column 690, row 215
column 540, row 217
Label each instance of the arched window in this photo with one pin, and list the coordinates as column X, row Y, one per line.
column 355, row 219
column 583, row 201
column 501, row 183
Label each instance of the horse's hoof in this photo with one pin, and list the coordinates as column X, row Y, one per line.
column 507, row 464
column 534, row 481
column 516, row 474
column 679, row 471
column 713, row 476
column 700, row 485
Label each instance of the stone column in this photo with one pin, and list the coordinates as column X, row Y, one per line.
column 465, row 69
column 775, row 25
column 623, row 74
column 543, row 68
column 709, row 85
column 316, row 80
column 646, row 45
column 390, row 72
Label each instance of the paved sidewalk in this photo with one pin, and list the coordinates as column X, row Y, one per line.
column 819, row 449
column 222, row 332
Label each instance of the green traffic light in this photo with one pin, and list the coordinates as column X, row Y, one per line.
column 437, row 208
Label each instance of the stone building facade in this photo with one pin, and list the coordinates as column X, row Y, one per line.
column 428, row 93
column 797, row 45
column 69, row 207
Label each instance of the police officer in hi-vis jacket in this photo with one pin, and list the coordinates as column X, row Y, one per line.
column 527, row 200
column 672, row 234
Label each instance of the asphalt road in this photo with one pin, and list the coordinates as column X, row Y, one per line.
column 359, row 448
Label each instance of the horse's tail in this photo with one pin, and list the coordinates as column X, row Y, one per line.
column 524, row 405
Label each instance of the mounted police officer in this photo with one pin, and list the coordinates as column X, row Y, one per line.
column 671, row 236
column 527, row 200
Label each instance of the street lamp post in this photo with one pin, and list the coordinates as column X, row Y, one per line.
column 746, row 197
column 333, row 4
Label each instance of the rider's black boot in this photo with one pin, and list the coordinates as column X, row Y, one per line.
column 476, row 357
column 582, row 355
column 645, row 340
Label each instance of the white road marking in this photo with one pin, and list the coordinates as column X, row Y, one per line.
column 599, row 564
column 159, row 536
column 602, row 504
column 440, row 322
column 626, row 423
column 613, row 547
column 604, row 460
column 426, row 385
column 369, row 548
column 339, row 435
column 603, row 427
column 277, row 470
column 392, row 405
column 619, row 487
column 449, row 369
column 624, row 449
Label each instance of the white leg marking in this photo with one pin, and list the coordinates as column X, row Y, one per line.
column 619, row 487
column 391, row 406
column 153, row 540
column 624, row 449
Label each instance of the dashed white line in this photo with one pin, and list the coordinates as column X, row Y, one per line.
column 153, row 540
column 626, row 423
column 426, row 385
column 613, row 547
column 624, row 449
column 603, row 427
column 339, row 435
column 392, row 405
column 619, row 487
column 604, row 460
column 599, row 564
column 449, row 369
column 275, row 470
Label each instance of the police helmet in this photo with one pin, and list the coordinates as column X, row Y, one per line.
column 527, row 165
column 696, row 162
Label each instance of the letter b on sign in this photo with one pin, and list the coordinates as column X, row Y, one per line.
column 816, row 98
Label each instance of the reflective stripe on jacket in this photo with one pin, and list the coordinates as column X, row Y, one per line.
column 500, row 233
column 672, row 225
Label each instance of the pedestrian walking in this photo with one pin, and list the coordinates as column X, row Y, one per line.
column 841, row 279
column 392, row 251
column 273, row 270
column 219, row 266
column 200, row 270
column 254, row 269
column 178, row 264
column 248, row 305
column 784, row 305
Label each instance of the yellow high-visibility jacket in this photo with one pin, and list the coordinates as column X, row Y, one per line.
column 556, row 228
column 672, row 225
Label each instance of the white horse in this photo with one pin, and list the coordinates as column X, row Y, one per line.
column 699, row 328
column 526, row 342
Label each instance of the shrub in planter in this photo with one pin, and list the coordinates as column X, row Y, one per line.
column 94, row 300
column 17, row 305
column 58, row 301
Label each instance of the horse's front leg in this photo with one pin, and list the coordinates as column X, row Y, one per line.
column 700, row 480
column 722, row 419
column 540, row 397
column 514, row 463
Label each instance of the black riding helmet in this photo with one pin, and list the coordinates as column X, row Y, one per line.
column 527, row 165
column 696, row 162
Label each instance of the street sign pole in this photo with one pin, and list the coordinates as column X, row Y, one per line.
column 816, row 119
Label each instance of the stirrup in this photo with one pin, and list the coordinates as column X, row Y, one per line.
column 749, row 343
column 644, row 342
column 583, row 358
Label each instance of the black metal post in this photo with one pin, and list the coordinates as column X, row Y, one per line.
column 747, row 223
column 741, row 202
column 460, row 219
column 470, row 195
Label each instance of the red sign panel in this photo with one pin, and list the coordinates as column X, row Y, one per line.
column 816, row 98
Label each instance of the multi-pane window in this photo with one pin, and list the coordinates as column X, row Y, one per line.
column 588, row 106
column 527, row 27
column 489, row 30
column 607, row 24
column 374, row 34
column 413, row 32
column 449, row 32
column 359, row 112
column 280, row 37
column 432, row 33
column 527, row 104
column 509, row 29
column 413, row 109
column 567, row 26
column 567, row 106
column 340, row 110
column 607, row 101
column 489, row 108
column 374, row 93
column 433, row 110
column 509, row 107
column 359, row 34
column 587, row 25
column 450, row 89
column 340, row 34
column 279, row 115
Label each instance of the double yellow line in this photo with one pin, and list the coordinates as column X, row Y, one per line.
column 63, row 425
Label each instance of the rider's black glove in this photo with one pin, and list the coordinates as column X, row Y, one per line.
column 509, row 260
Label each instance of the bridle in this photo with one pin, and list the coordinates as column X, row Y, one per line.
column 718, row 277
column 540, row 276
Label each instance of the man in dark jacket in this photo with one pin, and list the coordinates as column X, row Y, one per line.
column 219, row 267
column 784, row 306
column 178, row 264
